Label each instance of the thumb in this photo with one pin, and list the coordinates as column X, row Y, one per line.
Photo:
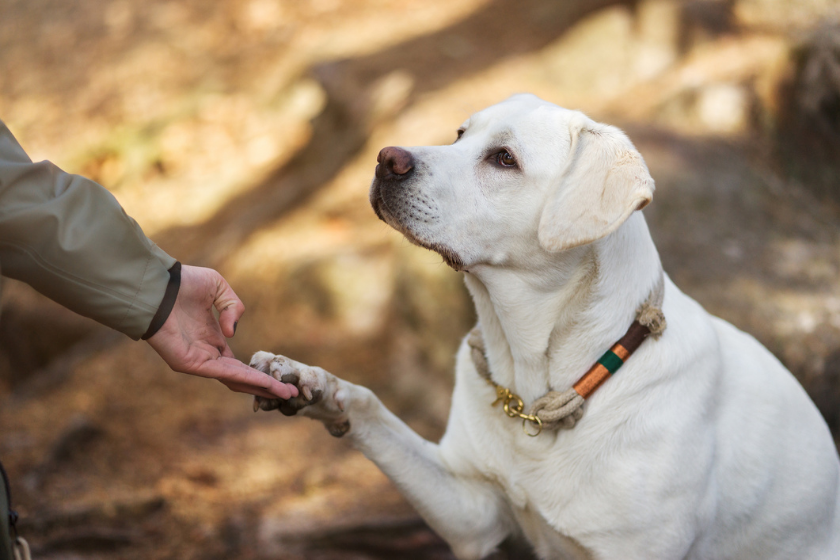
column 229, row 305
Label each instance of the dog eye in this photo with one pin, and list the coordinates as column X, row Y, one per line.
column 460, row 133
column 504, row 159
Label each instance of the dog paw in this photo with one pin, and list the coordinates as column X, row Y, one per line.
column 319, row 395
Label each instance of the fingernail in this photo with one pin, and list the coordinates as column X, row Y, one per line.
column 234, row 326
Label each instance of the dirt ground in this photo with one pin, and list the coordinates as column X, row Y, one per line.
column 243, row 135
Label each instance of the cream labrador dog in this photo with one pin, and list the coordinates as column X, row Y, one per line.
column 702, row 446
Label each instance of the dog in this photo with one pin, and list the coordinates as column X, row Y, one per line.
column 702, row 446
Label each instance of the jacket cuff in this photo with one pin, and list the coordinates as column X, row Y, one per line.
column 168, row 302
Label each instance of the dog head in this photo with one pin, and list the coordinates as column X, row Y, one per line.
column 523, row 177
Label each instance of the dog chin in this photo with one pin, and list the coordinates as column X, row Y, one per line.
column 450, row 257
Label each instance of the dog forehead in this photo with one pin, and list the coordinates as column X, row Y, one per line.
column 523, row 116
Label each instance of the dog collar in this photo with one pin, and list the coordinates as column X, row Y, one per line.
column 563, row 409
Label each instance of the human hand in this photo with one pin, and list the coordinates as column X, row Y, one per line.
column 192, row 340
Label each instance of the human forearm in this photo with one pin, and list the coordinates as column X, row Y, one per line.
column 70, row 239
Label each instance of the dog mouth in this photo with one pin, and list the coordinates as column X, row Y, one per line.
column 387, row 215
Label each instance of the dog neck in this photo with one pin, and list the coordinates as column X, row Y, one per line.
column 546, row 323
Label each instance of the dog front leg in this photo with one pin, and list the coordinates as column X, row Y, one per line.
column 466, row 511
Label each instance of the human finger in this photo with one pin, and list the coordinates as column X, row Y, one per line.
column 229, row 305
column 248, row 389
column 234, row 371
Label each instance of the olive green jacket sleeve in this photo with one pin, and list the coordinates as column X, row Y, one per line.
column 70, row 239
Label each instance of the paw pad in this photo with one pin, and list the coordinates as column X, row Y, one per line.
column 338, row 429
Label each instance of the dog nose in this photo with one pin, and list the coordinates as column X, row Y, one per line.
column 394, row 163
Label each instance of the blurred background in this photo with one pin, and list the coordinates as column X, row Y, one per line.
column 242, row 135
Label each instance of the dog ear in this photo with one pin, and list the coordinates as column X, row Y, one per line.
column 604, row 182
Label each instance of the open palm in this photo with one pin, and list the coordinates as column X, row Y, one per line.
column 192, row 340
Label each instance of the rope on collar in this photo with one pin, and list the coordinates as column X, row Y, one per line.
column 562, row 409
